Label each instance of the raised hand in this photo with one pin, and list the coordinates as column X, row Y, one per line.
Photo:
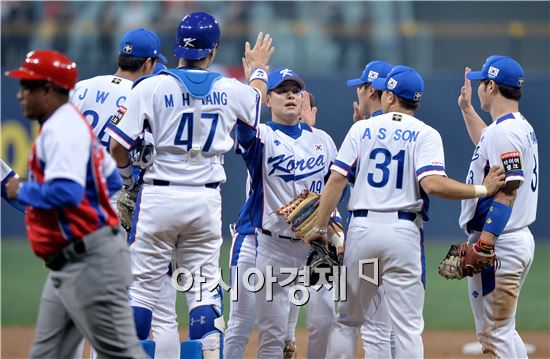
column 259, row 55
column 357, row 114
column 465, row 98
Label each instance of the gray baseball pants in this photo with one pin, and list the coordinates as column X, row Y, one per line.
column 89, row 297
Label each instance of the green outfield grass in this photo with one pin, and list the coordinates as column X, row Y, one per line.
column 446, row 305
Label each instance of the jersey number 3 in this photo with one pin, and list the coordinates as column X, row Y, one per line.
column 386, row 156
column 187, row 121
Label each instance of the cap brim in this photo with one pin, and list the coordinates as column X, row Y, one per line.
column 298, row 80
column 24, row 74
column 190, row 54
column 475, row 75
column 379, row 83
column 355, row 82
column 162, row 58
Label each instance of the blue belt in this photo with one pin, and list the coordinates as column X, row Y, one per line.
column 213, row 185
column 409, row 216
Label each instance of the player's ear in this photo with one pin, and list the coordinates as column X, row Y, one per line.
column 268, row 99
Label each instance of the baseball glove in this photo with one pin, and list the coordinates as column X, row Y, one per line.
column 301, row 213
column 321, row 255
column 464, row 260
column 126, row 203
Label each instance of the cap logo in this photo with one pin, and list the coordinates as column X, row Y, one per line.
column 372, row 75
column 417, row 96
column 286, row 72
column 127, row 49
column 392, row 83
column 493, row 72
column 188, row 42
column 521, row 81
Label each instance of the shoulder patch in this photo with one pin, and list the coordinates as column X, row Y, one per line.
column 511, row 161
column 118, row 115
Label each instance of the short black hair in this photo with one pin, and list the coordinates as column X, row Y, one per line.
column 508, row 92
column 131, row 64
column 408, row 104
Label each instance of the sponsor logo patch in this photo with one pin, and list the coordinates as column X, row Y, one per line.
column 511, row 161
column 127, row 49
column 118, row 115
column 397, row 117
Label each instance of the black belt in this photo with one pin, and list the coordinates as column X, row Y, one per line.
column 409, row 216
column 69, row 253
column 213, row 185
column 292, row 239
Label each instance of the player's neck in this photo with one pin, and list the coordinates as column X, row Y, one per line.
column 53, row 105
column 132, row 76
column 196, row 65
column 400, row 109
column 285, row 122
column 503, row 106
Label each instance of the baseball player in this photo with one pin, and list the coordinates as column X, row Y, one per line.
column 376, row 332
column 500, row 222
column 242, row 314
column 6, row 173
column 395, row 161
column 191, row 112
column 70, row 223
column 284, row 157
column 98, row 98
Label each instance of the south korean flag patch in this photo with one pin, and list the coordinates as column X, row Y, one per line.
column 512, row 163
column 118, row 115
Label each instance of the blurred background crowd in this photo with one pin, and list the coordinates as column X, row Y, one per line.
column 313, row 37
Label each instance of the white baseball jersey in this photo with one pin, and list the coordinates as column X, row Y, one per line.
column 191, row 135
column 283, row 161
column 385, row 158
column 98, row 99
column 510, row 142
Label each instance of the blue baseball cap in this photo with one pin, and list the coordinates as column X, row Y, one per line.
column 372, row 71
column 403, row 82
column 141, row 43
column 501, row 69
column 277, row 77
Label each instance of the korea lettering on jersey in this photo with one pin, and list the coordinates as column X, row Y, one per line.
column 55, row 155
column 178, row 128
column 98, row 99
column 385, row 158
column 509, row 142
column 281, row 166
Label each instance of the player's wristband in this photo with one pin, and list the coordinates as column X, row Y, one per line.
column 497, row 218
column 258, row 73
column 125, row 171
column 480, row 191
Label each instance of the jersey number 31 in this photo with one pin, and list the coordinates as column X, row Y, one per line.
column 386, row 157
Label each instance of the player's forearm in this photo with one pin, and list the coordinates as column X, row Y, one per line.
column 329, row 198
column 504, row 200
column 119, row 153
column 448, row 188
column 474, row 123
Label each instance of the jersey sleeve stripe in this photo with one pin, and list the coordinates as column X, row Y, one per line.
column 517, row 173
column 342, row 165
column 120, row 136
column 430, row 168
